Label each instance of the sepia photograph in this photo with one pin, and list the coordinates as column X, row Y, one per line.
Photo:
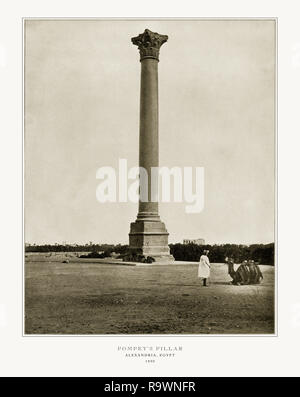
column 150, row 176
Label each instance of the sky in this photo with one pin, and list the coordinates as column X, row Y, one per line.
column 216, row 110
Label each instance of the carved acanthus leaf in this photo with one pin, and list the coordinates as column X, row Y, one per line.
column 149, row 44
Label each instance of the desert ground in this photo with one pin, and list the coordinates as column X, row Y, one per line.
column 87, row 297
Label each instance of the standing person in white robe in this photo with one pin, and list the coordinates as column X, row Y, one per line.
column 204, row 267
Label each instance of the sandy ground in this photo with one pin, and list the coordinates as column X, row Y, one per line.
column 97, row 298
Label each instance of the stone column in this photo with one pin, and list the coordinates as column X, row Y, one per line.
column 148, row 235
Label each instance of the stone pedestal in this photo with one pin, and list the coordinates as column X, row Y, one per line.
column 148, row 235
column 150, row 239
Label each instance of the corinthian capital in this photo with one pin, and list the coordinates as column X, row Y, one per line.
column 149, row 43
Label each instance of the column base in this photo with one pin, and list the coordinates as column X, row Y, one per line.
column 149, row 237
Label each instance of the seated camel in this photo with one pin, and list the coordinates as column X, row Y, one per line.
column 247, row 273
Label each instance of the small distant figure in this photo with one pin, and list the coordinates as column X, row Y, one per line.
column 204, row 268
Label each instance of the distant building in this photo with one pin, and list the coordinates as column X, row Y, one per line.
column 197, row 241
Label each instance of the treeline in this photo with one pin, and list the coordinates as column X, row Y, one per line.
column 262, row 253
column 119, row 248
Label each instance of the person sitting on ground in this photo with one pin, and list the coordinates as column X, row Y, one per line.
column 255, row 272
column 244, row 273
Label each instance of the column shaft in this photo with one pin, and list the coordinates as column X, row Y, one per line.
column 148, row 145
